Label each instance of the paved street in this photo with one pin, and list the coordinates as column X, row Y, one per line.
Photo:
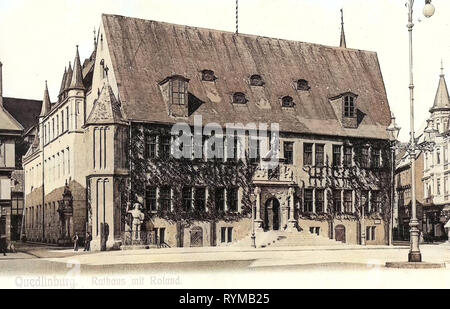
column 300, row 267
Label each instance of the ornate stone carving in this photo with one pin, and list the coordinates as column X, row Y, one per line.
column 261, row 174
column 286, row 173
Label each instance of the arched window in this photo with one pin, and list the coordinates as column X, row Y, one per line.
column 256, row 80
column 303, row 85
column 208, row 76
column 287, row 101
column 349, row 106
column 239, row 98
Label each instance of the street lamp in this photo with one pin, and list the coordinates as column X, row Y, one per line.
column 429, row 132
column 414, row 253
column 393, row 131
column 428, row 9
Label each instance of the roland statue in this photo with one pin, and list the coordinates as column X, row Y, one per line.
column 138, row 219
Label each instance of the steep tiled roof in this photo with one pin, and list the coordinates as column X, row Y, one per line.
column 26, row 112
column 146, row 52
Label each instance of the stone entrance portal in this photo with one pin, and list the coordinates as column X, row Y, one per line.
column 272, row 214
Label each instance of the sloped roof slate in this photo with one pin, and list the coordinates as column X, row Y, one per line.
column 25, row 111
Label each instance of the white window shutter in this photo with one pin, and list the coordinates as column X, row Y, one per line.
column 5, row 189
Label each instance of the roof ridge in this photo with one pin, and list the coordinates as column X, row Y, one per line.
column 14, row 98
column 240, row 34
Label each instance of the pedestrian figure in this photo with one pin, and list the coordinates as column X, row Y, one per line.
column 3, row 244
column 87, row 242
column 75, row 242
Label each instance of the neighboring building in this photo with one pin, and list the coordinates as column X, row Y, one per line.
column 58, row 158
column 24, row 112
column 436, row 209
column 10, row 131
column 403, row 193
column 107, row 140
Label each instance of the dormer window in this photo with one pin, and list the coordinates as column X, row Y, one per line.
column 256, row 80
column 178, row 90
column 208, row 76
column 287, row 101
column 349, row 106
column 303, row 85
column 239, row 98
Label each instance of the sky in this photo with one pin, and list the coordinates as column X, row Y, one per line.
column 38, row 37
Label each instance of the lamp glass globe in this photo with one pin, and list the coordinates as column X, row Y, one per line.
column 428, row 10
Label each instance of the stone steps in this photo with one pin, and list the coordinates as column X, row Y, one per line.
column 286, row 239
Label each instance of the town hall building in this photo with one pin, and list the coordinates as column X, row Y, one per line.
column 105, row 146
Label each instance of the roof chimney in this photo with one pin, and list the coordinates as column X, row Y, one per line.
column 1, row 85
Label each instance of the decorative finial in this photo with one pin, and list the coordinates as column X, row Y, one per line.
column 237, row 17
column 343, row 43
column 95, row 37
column 442, row 67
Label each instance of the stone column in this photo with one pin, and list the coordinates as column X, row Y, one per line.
column 258, row 220
column 292, row 223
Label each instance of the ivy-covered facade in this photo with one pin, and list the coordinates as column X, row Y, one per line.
column 323, row 191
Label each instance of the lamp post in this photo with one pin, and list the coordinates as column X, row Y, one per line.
column 393, row 131
column 414, row 253
column 363, row 221
column 253, row 237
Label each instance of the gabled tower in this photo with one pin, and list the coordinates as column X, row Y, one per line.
column 107, row 129
column 440, row 111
